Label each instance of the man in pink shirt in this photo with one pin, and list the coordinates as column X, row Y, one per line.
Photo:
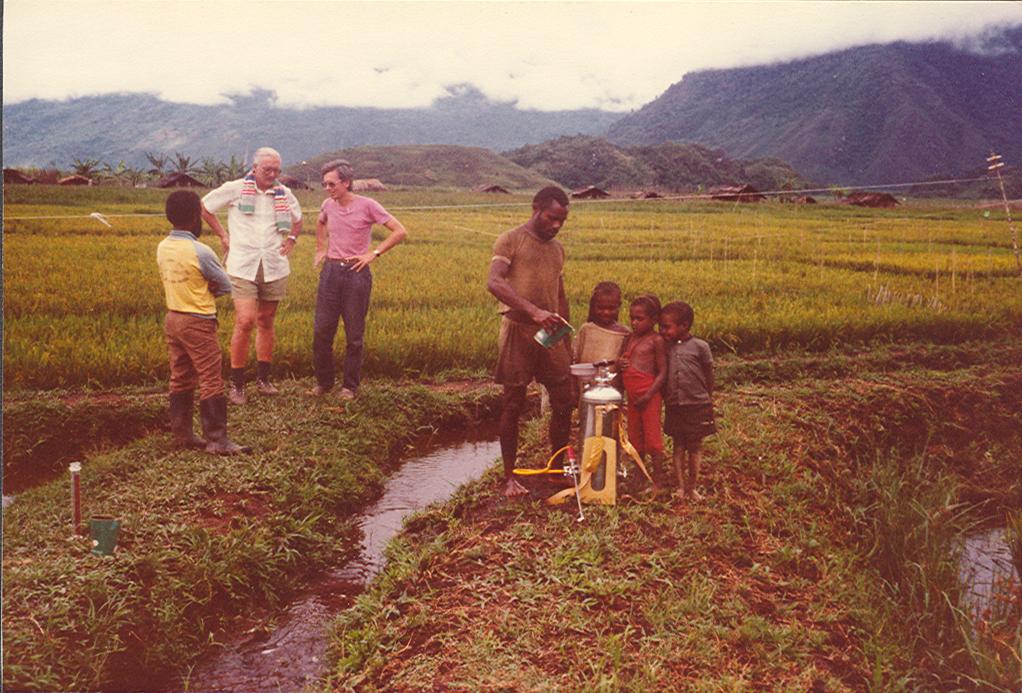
column 343, row 235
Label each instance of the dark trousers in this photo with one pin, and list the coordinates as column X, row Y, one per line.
column 194, row 352
column 343, row 294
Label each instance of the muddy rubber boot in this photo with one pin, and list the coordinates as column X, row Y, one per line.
column 181, row 407
column 214, row 425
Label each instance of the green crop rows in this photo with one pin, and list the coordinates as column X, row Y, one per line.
column 83, row 303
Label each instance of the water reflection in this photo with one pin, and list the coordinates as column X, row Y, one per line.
column 985, row 570
column 290, row 655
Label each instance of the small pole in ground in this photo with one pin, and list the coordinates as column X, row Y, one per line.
column 76, row 495
column 995, row 164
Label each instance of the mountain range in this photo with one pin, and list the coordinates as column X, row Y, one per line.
column 125, row 126
column 672, row 166
column 873, row 114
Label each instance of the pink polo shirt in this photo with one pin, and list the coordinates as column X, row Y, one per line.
column 349, row 228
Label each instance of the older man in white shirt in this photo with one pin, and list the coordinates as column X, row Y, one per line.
column 264, row 221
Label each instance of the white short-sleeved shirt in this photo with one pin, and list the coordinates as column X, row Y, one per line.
column 254, row 237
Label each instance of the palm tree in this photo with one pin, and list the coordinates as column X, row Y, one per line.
column 213, row 171
column 115, row 174
column 235, row 168
column 159, row 162
column 133, row 175
column 184, row 164
column 85, row 167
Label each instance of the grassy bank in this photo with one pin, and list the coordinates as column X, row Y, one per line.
column 822, row 559
column 203, row 538
column 43, row 431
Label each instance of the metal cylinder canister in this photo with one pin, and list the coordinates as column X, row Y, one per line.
column 607, row 399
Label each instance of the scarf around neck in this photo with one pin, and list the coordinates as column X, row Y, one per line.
column 281, row 208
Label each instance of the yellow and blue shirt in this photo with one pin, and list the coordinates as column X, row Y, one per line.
column 192, row 275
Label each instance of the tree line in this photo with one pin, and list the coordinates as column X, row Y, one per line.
column 209, row 171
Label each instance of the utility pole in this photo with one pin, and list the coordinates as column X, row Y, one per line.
column 995, row 164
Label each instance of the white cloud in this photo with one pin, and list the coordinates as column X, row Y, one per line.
column 616, row 55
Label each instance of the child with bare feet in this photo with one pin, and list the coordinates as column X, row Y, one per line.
column 643, row 366
column 689, row 393
column 601, row 337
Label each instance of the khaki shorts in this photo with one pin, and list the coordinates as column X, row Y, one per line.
column 260, row 288
column 521, row 359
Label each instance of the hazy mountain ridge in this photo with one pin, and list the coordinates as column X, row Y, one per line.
column 124, row 126
column 582, row 160
column 880, row 113
column 428, row 165
column 874, row 114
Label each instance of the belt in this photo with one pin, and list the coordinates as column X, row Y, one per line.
column 342, row 263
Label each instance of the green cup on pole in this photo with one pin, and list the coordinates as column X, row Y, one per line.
column 104, row 530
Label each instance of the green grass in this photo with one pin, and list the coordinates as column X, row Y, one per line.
column 203, row 538
column 868, row 363
column 820, row 559
column 761, row 277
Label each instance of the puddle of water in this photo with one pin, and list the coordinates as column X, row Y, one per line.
column 291, row 655
column 986, row 568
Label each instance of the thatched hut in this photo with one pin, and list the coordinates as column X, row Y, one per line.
column 493, row 188
column 13, row 176
column 364, row 184
column 797, row 199
column 179, row 180
column 736, row 193
column 872, row 199
column 590, row 193
column 75, row 180
column 294, row 183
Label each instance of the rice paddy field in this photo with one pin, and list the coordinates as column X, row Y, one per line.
column 83, row 304
column 868, row 364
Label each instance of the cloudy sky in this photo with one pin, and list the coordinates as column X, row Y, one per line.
column 545, row 55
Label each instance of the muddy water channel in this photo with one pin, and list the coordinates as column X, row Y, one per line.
column 987, row 572
column 291, row 653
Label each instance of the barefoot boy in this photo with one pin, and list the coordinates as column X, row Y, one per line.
column 643, row 370
column 688, row 391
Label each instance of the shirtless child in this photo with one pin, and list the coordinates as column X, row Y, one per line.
column 643, row 366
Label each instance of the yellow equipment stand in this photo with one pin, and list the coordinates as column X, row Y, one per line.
column 597, row 450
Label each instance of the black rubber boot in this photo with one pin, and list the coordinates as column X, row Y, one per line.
column 214, row 425
column 181, row 407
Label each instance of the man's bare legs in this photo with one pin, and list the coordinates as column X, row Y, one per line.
column 514, row 403
column 249, row 314
column 265, row 334
column 562, row 399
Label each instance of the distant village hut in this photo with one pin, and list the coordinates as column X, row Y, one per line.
column 75, row 180
column 872, row 199
column 294, row 183
column 590, row 193
column 797, row 199
column 736, row 193
column 179, row 180
column 13, row 176
column 493, row 188
column 367, row 184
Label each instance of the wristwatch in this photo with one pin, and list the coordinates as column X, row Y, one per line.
column 293, row 238
column 376, row 253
